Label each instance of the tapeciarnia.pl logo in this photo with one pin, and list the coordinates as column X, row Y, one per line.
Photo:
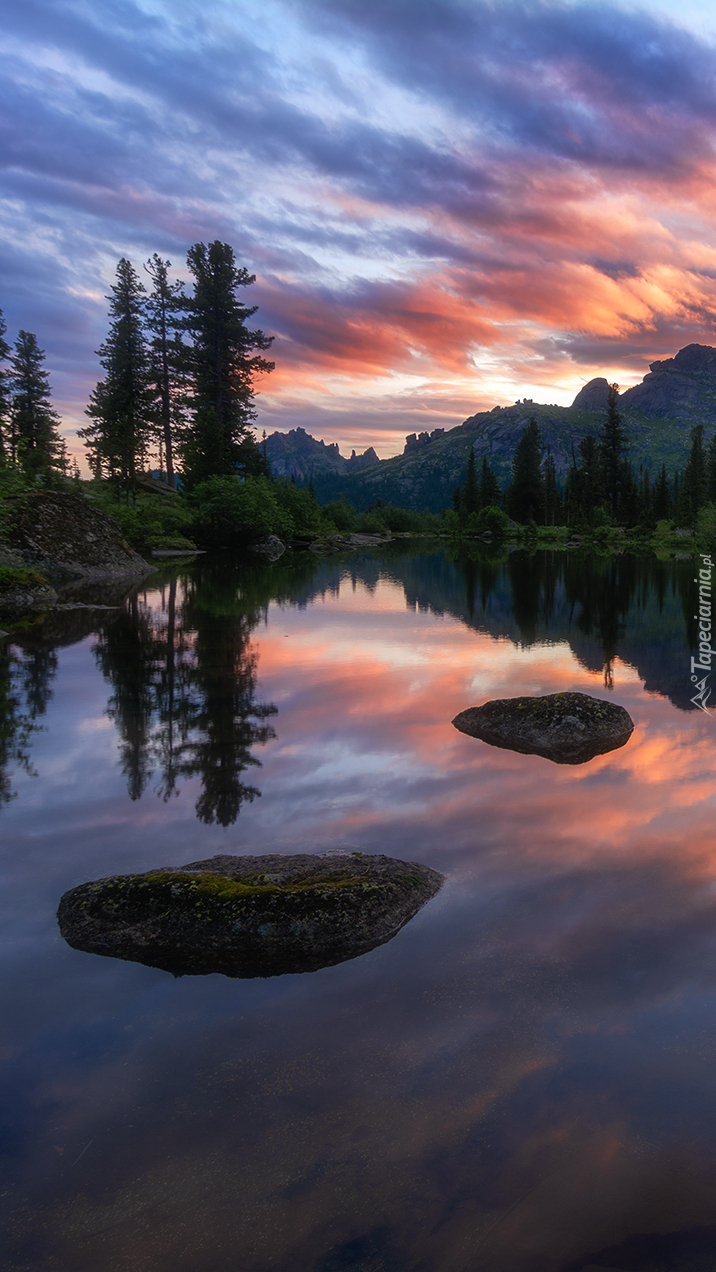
column 703, row 618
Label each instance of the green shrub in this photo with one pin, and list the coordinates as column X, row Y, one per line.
column 370, row 522
column 399, row 520
column 300, row 505
column 147, row 520
column 13, row 481
column 339, row 515
column 229, row 513
column 492, row 520
column 706, row 524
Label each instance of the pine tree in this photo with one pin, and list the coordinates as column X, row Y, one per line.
column 165, row 309
column 471, row 489
column 711, row 470
column 645, row 497
column 584, row 491
column 613, row 444
column 629, row 506
column 551, row 492
column 121, row 404
column 34, row 439
column 525, row 497
column 692, row 496
column 591, row 489
column 490, row 492
column 5, row 391
column 223, row 364
column 661, row 497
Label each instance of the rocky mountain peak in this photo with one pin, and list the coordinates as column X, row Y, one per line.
column 693, row 359
column 679, row 388
column 593, row 396
column 302, row 456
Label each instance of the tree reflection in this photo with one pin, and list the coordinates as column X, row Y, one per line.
column 640, row 609
column 606, row 588
column 225, row 719
column 25, row 690
column 128, row 654
column 184, row 686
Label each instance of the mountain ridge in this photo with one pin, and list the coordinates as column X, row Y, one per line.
column 298, row 454
column 658, row 414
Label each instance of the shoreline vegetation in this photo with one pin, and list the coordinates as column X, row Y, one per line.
column 177, row 469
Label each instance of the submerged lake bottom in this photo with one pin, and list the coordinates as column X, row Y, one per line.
column 521, row 1079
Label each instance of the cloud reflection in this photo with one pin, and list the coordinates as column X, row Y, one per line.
column 524, row 1075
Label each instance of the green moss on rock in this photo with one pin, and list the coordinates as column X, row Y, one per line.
column 248, row 916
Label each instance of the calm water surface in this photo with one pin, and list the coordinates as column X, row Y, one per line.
column 523, row 1080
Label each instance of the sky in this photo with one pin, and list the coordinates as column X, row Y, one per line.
column 447, row 204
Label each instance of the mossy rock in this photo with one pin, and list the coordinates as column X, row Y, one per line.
column 568, row 728
column 248, row 916
column 23, row 591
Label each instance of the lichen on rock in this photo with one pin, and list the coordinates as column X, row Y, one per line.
column 248, row 916
column 66, row 537
column 567, row 728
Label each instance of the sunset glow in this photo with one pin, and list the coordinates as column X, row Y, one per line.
column 447, row 205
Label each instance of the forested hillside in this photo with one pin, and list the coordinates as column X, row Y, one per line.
column 657, row 415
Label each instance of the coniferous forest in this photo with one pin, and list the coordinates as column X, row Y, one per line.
column 176, row 406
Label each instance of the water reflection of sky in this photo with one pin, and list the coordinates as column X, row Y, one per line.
column 522, row 1078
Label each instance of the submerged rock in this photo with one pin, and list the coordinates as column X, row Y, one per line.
column 569, row 728
column 248, row 916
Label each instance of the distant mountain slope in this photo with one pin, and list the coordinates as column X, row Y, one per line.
column 680, row 388
column 658, row 415
column 297, row 454
column 424, row 477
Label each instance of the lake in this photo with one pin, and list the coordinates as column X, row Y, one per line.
column 522, row 1080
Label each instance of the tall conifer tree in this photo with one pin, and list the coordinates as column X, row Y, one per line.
column 471, row 489
column 490, row 492
column 551, row 492
column 526, row 494
column 34, row 441
column 613, row 444
column 693, row 493
column 646, row 498
column 165, row 309
column 711, row 470
column 121, row 404
column 661, row 496
column 224, row 364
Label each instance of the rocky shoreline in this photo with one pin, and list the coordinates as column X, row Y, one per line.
column 56, row 538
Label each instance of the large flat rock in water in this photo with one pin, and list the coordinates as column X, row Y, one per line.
column 568, row 728
column 248, row 916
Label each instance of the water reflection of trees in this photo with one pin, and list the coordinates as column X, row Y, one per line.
column 183, row 671
column 25, row 690
column 638, row 607
column 183, row 674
